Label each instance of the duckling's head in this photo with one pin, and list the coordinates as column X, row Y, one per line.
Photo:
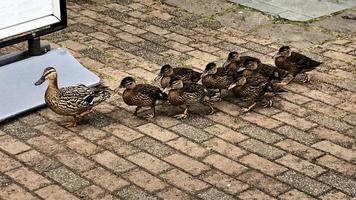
column 128, row 83
column 232, row 57
column 174, row 83
column 250, row 64
column 284, row 51
column 210, row 68
column 48, row 74
column 166, row 70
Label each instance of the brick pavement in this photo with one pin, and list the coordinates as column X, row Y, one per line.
column 302, row 148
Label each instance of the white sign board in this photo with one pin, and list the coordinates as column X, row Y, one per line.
column 21, row 16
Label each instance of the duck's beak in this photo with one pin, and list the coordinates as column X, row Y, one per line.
column 40, row 81
column 241, row 69
column 204, row 74
column 232, row 86
column 166, row 90
column 276, row 55
column 226, row 63
column 158, row 77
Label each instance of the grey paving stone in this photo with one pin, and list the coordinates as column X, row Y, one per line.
column 340, row 182
column 213, row 193
column 261, row 134
column 134, row 193
column 328, row 122
column 192, row 132
column 68, row 179
column 298, row 135
column 303, row 183
column 154, row 147
column 262, row 149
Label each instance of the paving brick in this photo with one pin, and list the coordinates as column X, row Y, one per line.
column 326, row 109
column 179, row 47
column 38, row 161
column 123, row 132
column 295, row 98
column 173, row 193
column 154, row 147
column 82, row 146
column 145, row 180
column 228, row 108
column 118, row 146
column 300, row 165
column 54, row 192
column 213, row 193
column 55, row 131
column 156, row 29
column 342, row 183
column 297, row 135
column 303, row 183
column 295, row 121
column 28, row 178
column 149, row 162
column 292, row 108
column 224, row 182
column 322, row 97
column 129, row 37
column 295, row 195
column 7, row 163
column 190, row 148
column 73, row 45
column 333, row 136
column 157, row 132
column 46, row 145
column 336, row 164
column 133, row 193
column 132, row 29
column 336, row 150
column 91, row 192
column 224, row 164
column 261, row 120
column 225, row 148
column 227, row 120
column 75, row 161
column 191, row 132
column 12, row 145
column 15, row 192
column 254, row 194
column 335, row 195
column 261, row 134
column 226, row 133
column 105, row 179
column 184, row 181
column 265, row 150
column 178, row 38
column 264, row 183
column 113, row 162
column 188, row 164
column 328, row 122
column 351, row 119
column 299, row 149
column 262, row 164
column 21, row 130
column 339, row 56
column 67, row 179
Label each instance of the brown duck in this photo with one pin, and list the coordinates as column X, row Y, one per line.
column 185, row 74
column 141, row 95
column 187, row 94
column 215, row 77
column 253, row 86
column 76, row 101
column 235, row 61
column 295, row 63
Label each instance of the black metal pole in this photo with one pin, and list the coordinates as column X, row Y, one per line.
column 34, row 47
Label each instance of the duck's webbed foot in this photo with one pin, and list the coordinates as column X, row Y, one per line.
column 269, row 103
column 136, row 110
column 183, row 115
column 244, row 110
column 306, row 78
column 72, row 123
column 152, row 115
column 83, row 114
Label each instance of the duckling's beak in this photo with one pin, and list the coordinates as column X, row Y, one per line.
column 158, row 77
column 226, row 63
column 40, row 81
column 276, row 55
column 204, row 73
column 232, row 86
column 241, row 69
column 166, row 90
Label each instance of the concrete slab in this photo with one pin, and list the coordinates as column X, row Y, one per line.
column 298, row 10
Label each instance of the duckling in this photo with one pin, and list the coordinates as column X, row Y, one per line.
column 187, row 94
column 141, row 95
column 269, row 71
column 186, row 74
column 235, row 61
column 215, row 77
column 76, row 101
column 295, row 63
column 252, row 86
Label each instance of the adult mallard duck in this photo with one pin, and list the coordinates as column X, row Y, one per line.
column 76, row 101
column 235, row 61
column 185, row 74
column 141, row 95
column 215, row 77
column 295, row 63
column 187, row 94
column 253, row 86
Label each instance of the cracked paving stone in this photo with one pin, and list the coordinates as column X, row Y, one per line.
column 68, row 179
